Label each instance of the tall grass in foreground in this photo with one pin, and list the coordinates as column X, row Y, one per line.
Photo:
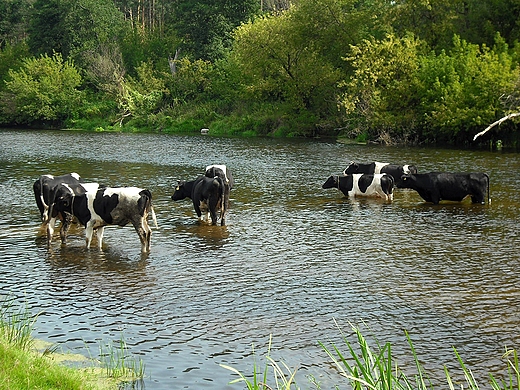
column 282, row 379
column 115, row 359
column 372, row 367
column 16, row 324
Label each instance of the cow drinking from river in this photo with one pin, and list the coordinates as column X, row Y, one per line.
column 96, row 207
column 436, row 186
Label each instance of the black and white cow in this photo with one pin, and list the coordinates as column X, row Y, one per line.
column 207, row 195
column 359, row 184
column 44, row 188
column 436, row 186
column 96, row 207
column 224, row 173
column 376, row 167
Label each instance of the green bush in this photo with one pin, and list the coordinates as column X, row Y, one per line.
column 43, row 89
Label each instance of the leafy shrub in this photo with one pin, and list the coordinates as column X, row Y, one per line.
column 43, row 89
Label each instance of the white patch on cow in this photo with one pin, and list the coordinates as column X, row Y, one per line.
column 379, row 166
column 131, row 192
column 222, row 167
column 374, row 189
column 75, row 175
column 406, row 169
column 90, row 187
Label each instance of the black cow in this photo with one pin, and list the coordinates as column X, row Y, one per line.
column 436, row 186
column 376, row 167
column 96, row 207
column 207, row 195
column 358, row 184
column 224, row 173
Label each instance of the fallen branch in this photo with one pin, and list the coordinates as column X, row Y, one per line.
column 498, row 122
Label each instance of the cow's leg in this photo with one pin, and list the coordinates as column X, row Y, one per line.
column 99, row 234
column 381, row 193
column 478, row 198
column 50, row 229
column 212, row 208
column 196, row 206
column 225, row 206
column 65, row 226
column 89, row 230
column 148, row 234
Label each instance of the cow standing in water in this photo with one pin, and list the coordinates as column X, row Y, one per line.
column 436, row 186
column 379, row 185
column 44, row 189
column 96, row 207
column 207, row 195
column 376, row 167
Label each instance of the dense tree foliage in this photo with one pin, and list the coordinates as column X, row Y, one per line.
column 419, row 71
column 43, row 89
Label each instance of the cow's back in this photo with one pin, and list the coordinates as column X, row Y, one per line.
column 117, row 205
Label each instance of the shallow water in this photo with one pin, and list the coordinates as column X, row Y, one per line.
column 293, row 259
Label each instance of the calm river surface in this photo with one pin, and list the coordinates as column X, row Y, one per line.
column 293, row 259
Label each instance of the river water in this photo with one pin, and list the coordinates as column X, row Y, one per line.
column 293, row 261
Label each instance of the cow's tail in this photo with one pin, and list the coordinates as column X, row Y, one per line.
column 222, row 187
column 148, row 205
column 153, row 216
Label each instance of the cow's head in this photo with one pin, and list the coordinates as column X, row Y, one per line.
column 332, row 182
column 409, row 169
column 351, row 168
column 180, row 191
column 62, row 201
column 407, row 181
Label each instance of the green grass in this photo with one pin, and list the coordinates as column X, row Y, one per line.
column 281, row 374
column 23, row 366
column 363, row 364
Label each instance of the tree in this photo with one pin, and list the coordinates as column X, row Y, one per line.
column 73, row 27
column 205, row 26
column 463, row 88
column 13, row 20
column 44, row 89
column 381, row 96
column 475, row 21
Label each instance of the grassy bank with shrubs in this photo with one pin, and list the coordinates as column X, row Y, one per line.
column 374, row 71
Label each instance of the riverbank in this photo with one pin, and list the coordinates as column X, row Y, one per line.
column 27, row 367
column 28, row 363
